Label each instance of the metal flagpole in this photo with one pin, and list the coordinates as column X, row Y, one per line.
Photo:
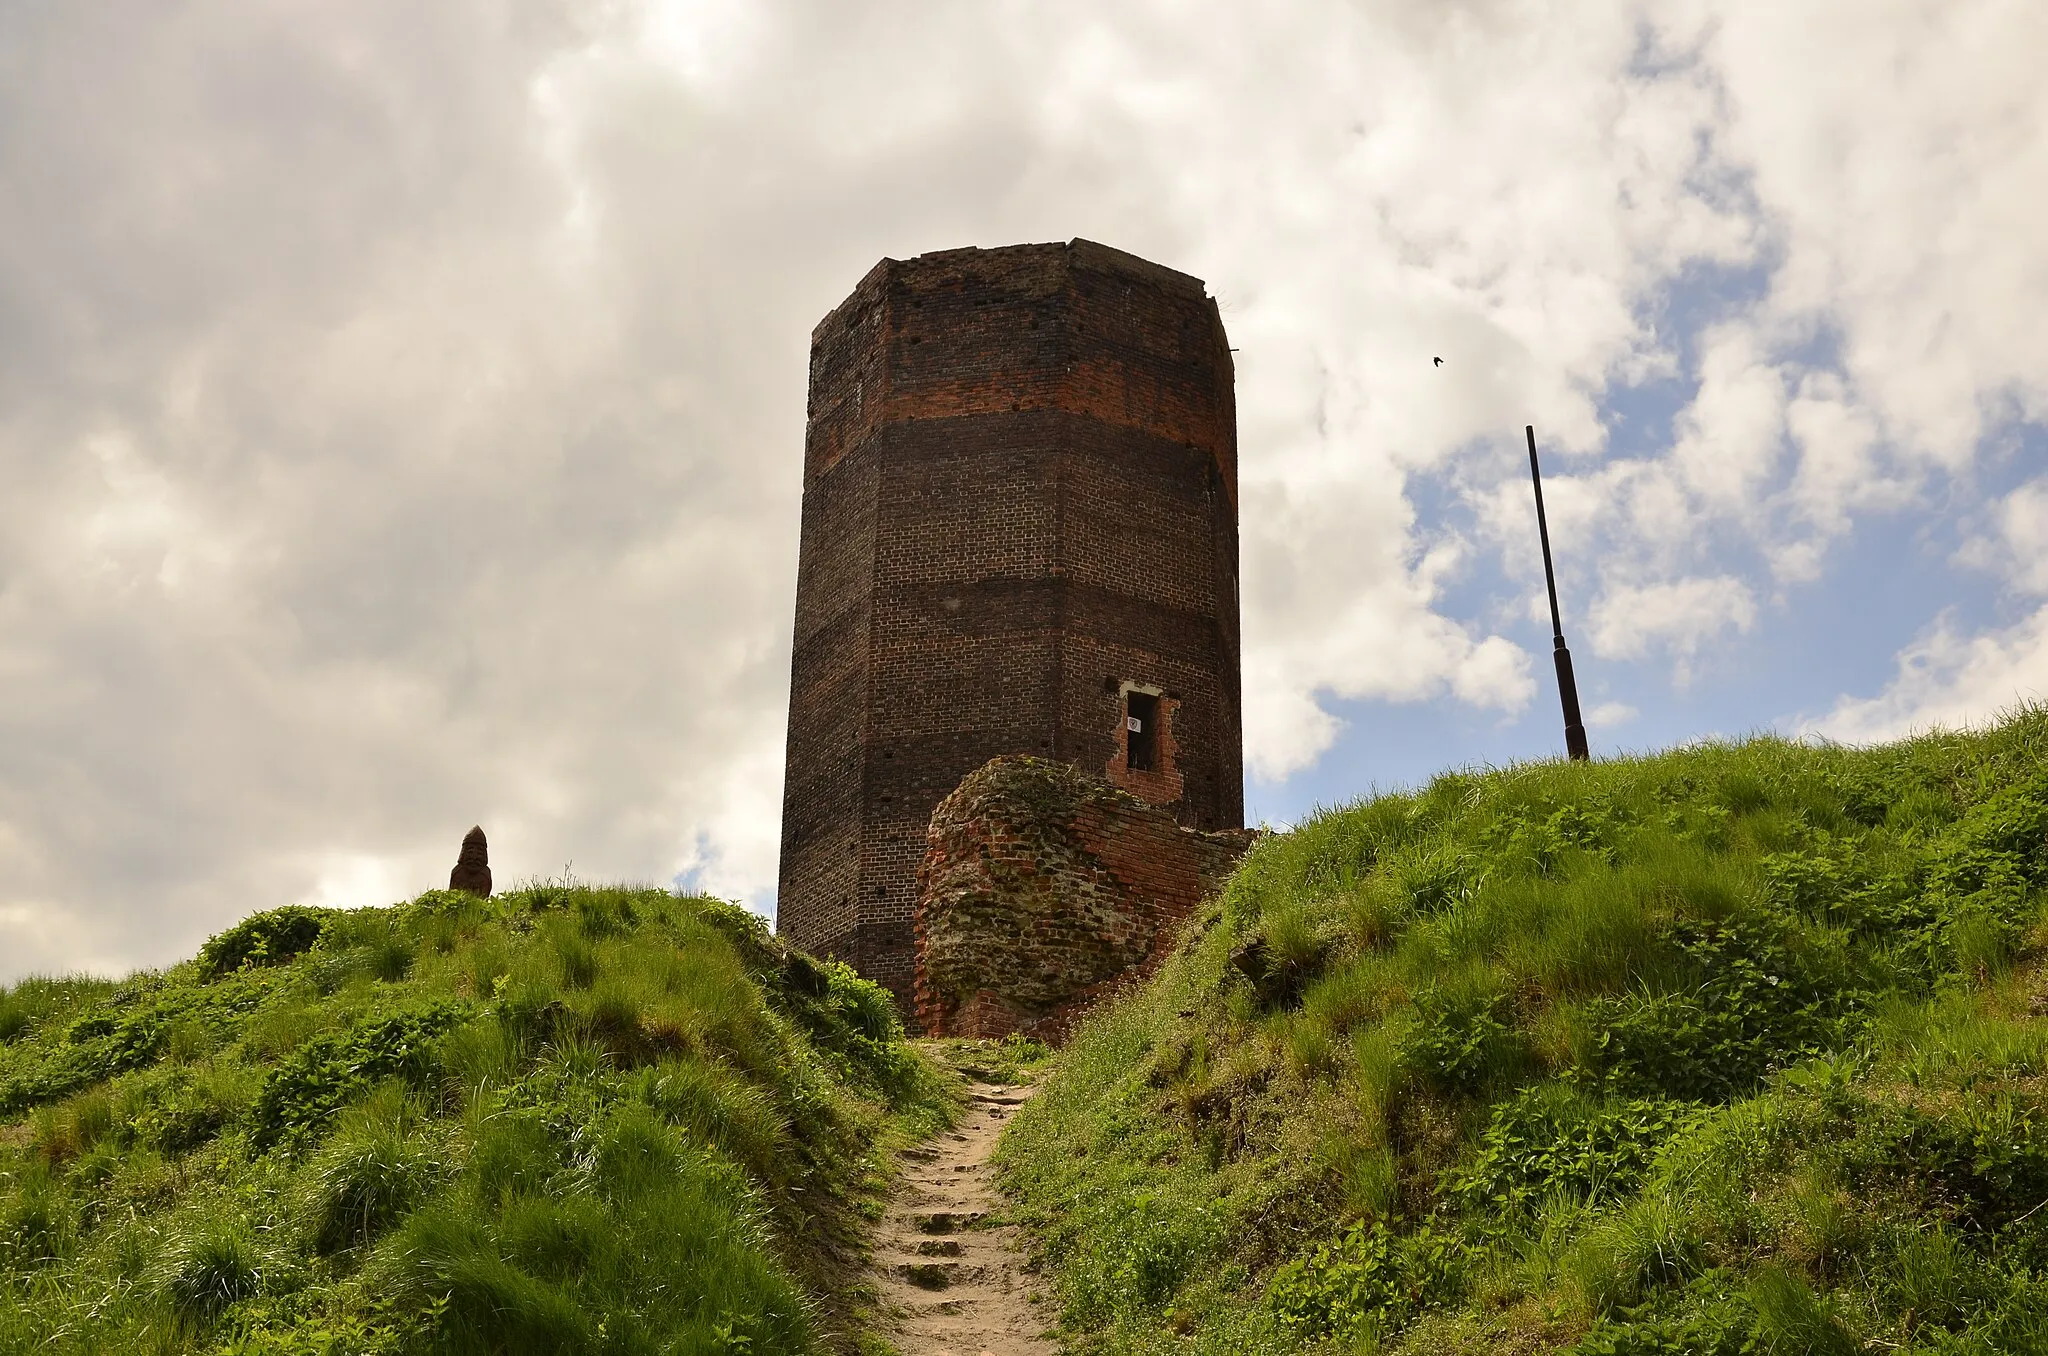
column 1567, row 686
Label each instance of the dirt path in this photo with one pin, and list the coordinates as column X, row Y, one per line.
column 952, row 1285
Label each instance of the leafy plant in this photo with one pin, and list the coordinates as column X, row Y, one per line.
column 1549, row 1141
column 303, row 1094
column 264, row 939
column 1459, row 1041
column 1370, row 1277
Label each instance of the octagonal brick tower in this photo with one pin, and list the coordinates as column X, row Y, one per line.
column 1019, row 536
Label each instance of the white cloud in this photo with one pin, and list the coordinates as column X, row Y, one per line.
column 2015, row 547
column 1902, row 153
column 1607, row 715
column 365, row 880
column 1950, row 677
column 400, row 406
column 1681, row 615
column 1948, row 680
column 1729, row 437
column 1893, row 163
column 1840, row 469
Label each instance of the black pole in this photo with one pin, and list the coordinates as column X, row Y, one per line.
column 1567, row 686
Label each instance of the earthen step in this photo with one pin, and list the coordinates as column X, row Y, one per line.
column 946, row 1221
column 939, row 1275
column 894, row 1250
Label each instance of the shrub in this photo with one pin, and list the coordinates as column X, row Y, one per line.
column 1715, row 1328
column 179, row 1113
column 1756, row 1004
column 1151, row 1246
column 1550, row 1141
column 863, row 1005
column 1735, row 1049
column 1459, row 1042
column 401, row 1132
column 264, row 939
column 303, row 1094
column 1370, row 1278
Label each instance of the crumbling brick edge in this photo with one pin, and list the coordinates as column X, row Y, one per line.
column 1044, row 890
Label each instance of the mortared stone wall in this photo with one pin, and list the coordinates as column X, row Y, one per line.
column 1042, row 888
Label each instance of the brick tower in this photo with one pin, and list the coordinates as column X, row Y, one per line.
column 1019, row 536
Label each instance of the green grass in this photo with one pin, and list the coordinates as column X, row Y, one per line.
column 562, row 1120
column 1737, row 1048
column 1007, row 1062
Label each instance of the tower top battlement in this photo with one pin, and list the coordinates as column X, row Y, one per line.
column 1078, row 327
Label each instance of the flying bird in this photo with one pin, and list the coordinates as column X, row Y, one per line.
column 1439, row 362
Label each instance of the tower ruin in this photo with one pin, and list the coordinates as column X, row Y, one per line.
column 1019, row 536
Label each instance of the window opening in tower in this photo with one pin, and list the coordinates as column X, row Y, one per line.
column 1141, row 732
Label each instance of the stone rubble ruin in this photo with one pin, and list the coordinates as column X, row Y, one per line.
column 1043, row 889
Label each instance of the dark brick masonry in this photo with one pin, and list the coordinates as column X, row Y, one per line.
column 1041, row 887
column 1019, row 535
column 472, row 865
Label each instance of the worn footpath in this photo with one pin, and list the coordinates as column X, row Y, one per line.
column 950, row 1282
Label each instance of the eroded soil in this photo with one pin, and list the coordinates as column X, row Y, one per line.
column 950, row 1282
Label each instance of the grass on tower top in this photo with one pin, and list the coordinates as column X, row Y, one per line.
column 1737, row 1048
column 561, row 1120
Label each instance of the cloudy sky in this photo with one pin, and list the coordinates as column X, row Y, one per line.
column 401, row 405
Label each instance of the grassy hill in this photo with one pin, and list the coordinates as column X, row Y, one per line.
column 562, row 1120
column 1734, row 1049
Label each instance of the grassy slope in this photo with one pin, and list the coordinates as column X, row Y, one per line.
column 1730, row 1049
column 561, row 1120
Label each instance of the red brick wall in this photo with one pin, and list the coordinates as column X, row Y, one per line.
column 1019, row 493
column 1041, row 888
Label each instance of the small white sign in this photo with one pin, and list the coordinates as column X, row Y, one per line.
column 1134, row 725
